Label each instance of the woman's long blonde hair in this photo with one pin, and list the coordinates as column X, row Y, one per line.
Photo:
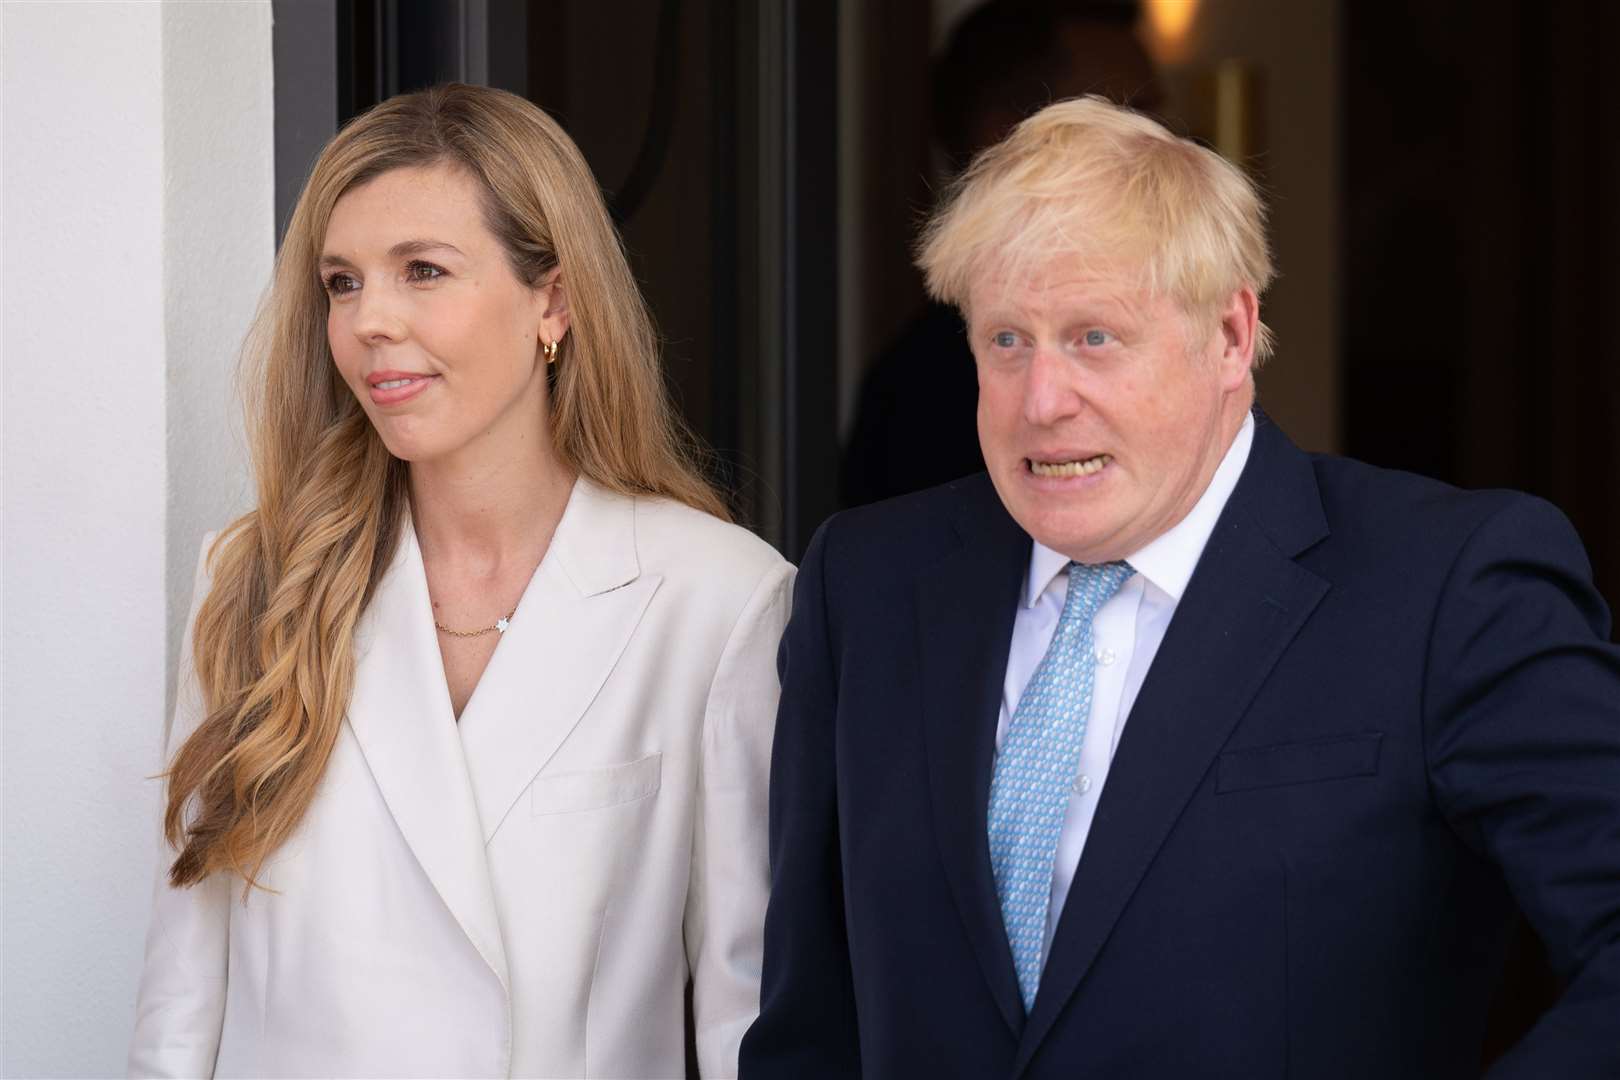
column 273, row 641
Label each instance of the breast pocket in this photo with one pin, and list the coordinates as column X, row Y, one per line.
column 595, row 789
column 1299, row 763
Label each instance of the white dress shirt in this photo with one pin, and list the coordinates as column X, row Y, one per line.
column 1126, row 633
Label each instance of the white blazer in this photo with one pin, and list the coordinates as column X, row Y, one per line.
column 524, row 893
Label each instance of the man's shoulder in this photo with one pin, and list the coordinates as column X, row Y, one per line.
column 926, row 510
column 913, row 529
column 1404, row 511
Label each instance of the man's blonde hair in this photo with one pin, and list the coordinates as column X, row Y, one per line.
column 1090, row 180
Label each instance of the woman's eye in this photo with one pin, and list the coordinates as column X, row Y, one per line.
column 1096, row 338
column 1004, row 339
column 421, row 271
column 340, row 283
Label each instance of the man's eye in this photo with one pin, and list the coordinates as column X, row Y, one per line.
column 1006, row 339
column 1096, row 338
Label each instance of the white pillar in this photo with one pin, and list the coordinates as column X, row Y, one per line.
column 137, row 235
column 219, row 235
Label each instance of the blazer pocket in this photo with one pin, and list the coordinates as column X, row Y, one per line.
column 595, row 789
column 1299, row 763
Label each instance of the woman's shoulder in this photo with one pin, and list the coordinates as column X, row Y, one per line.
column 679, row 541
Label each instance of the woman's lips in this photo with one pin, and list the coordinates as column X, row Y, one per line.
column 394, row 387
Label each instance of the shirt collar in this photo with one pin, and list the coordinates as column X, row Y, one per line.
column 1168, row 560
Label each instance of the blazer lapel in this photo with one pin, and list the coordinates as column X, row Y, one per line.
column 401, row 716
column 573, row 622
column 1245, row 603
column 965, row 609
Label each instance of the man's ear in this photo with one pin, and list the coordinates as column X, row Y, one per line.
column 1239, row 322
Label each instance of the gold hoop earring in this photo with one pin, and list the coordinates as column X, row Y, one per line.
column 551, row 350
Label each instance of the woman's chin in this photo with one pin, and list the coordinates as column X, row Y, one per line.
column 414, row 442
column 413, row 451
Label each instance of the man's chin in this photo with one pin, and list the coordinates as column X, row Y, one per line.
column 1067, row 523
column 1082, row 542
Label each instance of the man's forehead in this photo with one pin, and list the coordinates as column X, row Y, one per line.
column 1058, row 285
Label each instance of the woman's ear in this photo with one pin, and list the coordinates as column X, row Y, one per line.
column 554, row 314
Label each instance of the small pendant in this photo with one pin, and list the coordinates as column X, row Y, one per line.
column 502, row 624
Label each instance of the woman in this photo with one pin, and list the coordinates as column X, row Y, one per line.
column 474, row 726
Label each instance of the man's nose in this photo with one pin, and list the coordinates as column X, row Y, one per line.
column 1050, row 394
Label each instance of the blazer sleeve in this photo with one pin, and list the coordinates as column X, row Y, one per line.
column 1522, row 725
column 730, row 878
column 181, row 1004
column 807, row 1024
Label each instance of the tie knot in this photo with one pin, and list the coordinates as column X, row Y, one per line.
column 1091, row 586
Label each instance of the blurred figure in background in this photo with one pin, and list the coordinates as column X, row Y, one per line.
column 914, row 425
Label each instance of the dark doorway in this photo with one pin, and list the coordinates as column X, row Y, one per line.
column 1482, row 157
column 1482, row 154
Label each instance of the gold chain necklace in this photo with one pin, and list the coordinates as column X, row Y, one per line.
column 499, row 627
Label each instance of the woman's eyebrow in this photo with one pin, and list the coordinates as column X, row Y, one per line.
column 402, row 250
column 406, row 248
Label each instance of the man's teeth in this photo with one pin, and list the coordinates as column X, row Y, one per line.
column 394, row 384
column 1070, row 468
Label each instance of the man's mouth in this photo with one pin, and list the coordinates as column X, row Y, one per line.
column 1078, row 467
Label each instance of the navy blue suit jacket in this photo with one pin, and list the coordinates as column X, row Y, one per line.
column 1384, row 716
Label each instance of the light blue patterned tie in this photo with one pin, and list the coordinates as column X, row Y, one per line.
column 1034, row 773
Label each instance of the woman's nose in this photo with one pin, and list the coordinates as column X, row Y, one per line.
column 376, row 317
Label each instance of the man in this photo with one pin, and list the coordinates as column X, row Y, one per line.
column 1166, row 749
column 1003, row 61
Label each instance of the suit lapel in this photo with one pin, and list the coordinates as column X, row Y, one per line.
column 571, row 626
column 401, row 716
column 965, row 608
column 1245, row 603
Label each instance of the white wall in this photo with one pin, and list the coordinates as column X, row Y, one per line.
column 219, row 242
column 137, row 235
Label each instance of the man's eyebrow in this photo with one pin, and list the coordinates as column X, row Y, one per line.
column 402, row 250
